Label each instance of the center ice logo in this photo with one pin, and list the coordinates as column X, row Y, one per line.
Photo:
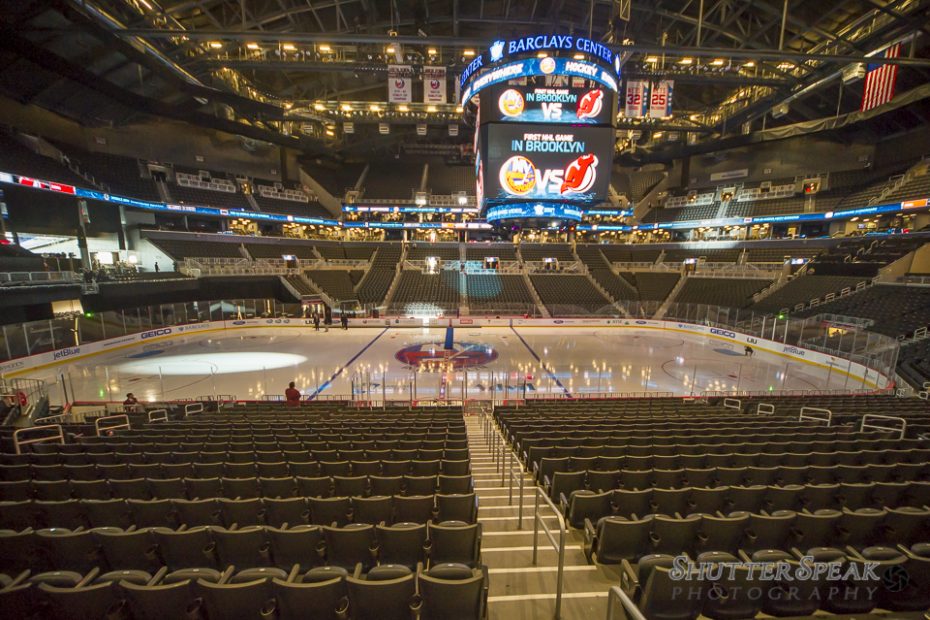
column 511, row 103
column 432, row 356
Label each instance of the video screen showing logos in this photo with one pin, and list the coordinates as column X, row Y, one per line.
column 547, row 162
column 566, row 101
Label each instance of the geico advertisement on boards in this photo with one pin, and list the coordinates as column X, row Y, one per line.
column 546, row 163
column 556, row 101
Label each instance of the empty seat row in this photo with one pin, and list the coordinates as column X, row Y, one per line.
column 132, row 465
column 177, row 512
column 217, row 548
column 772, row 455
column 385, row 592
column 232, row 488
column 581, row 505
column 558, row 480
column 616, row 538
column 166, row 453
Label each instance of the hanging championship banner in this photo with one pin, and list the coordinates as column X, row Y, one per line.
column 434, row 84
column 400, row 81
column 637, row 99
column 660, row 99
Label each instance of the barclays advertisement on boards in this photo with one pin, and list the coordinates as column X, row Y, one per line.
column 557, row 99
column 546, row 162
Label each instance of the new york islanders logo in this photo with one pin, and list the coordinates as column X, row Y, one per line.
column 511, row 103
column 518, row 175
column 580, row 175
column 591, row 104
column 433, row 357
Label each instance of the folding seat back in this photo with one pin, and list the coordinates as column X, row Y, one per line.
column 413, row 509
column 240, row 488
column 350, row 486
column 372, row 510
column 860, row 528
column 602, row 480
column 350, row 546
column 320, row 486
column 671, row 502
column 674, row 535
column 242, row 547
column 403, row 543
column 326, row 600
column 241, row 512
column 390, row 599
column 330, row 510
column 769, row 531
column 191, row 548
column 386, row 485
column 906, row 525
column 615, row 539
column 668, row 598
column 107, row 513
column 564, row 483
column 301, row 546
column 65, row 550
column 77, row 603
column 632, row 504
column 197, row 512
column 815, row 529
column 234, row 601
column 419, row 485
column 733, row 593
column 721, row 533
column 280, row 487
column 456, row 542
column 457, row 507
column 451, row 592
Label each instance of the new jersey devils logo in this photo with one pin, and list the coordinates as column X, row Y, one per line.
column 591, row 104
column 580, row 175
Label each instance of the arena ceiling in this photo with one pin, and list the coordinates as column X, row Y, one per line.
column 284, row 71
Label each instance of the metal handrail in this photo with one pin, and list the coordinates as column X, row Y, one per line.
column 558, row 546
column 158, row 415
column 804, row 415
column 630, row 610
column 875, row 427
column 193, row 408
column 733, row 403
column 765, row 409
column 58, row 437
column 123, row 422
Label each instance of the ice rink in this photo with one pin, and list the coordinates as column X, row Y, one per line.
column 392, row 363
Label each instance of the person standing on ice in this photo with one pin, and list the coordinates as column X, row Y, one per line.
column 292, row 395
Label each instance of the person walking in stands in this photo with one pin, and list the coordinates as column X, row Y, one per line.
column 292, row 394
column 131, row 404
column 157, row 269
column 316, row 321
column 344, row 320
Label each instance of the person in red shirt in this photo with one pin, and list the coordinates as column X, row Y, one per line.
column 292, row 395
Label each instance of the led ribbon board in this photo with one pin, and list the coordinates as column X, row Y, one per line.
column 533, row 44
column 527, row 210
column 540, row 66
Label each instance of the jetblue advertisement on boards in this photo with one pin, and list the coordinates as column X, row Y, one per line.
column 566, row 100
column 547, row 162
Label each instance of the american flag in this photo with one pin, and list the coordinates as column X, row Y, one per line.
column 880, row 81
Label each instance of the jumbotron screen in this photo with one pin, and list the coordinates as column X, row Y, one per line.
column 561, row 100
column 526, row 162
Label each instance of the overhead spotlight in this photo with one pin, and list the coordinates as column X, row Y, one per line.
column 749, row 64
column 403, row 108
column 459, row 109
column 717, row 62
column 251, row 46
column 431, row 51
column 578, row 56
column 374, row 107
column 652, row 59
column 289, row 47
column 468, row 53
column 431, row 108
column 541, row 55
column 390, row 49
column 216, row 45
column 319, row 107
column 686, row 61
column 346, row 107
column 785, row 66
column 325, row 48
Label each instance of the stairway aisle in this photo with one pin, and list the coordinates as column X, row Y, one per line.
column 518, row 589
